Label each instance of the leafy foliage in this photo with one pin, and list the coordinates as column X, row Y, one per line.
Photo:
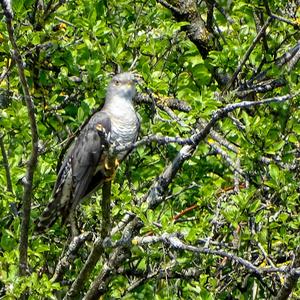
column 238, row 192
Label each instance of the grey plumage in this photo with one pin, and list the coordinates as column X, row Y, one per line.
column 91, row 159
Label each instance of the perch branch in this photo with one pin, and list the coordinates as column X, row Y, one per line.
column 106, row 193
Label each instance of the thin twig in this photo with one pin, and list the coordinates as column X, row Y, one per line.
column 186, row 210
column 169, row 6
column 105, row 206
column 6, row 165
column 64, row 21
column 101, row 282
column 175, row 241
column 246, row 56
column 13, row 206
column 290, row 279
column 85, row 271
column 66, row 260
column 51, row 9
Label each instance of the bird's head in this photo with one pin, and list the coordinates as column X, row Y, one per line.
column 123, row 86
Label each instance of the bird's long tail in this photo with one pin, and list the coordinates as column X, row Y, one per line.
column 48, row 216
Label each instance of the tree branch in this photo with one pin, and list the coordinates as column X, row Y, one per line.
column 167, row 273
column 67, row 258
column 157, row 190
column 7, row 175
column 174, row 241
column 246, row 56
column 197, row 137
column 290, row 279
column 101, row 282
column 105, row 206
column 6, row 166
column 281, row 61
column 85, row 272
column 163, row 102
column 31, row 166
column 196, row 30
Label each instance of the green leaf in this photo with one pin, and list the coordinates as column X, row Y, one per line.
column 274, row 172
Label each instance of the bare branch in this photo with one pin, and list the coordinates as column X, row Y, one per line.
column 66, row 260
column 197, row 137
column 101, row 282
column 287, row 56
column 6, row 165
column 31, row 166
column 174, row 241
column 290, row 279
column 163, row 102
column 86, row 270
column 157, row 190
column 282, row 19
column 105, row 206
column 262, row 87
column 246, row 56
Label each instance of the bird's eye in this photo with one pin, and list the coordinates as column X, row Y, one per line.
column 117, row 82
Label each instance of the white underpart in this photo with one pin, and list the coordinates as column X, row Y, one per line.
column 124, row 123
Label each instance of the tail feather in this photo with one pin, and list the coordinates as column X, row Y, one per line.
column 49, row 216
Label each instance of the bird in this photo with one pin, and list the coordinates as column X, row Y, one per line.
column 93, row 158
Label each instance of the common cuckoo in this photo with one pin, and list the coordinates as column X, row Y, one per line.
column 92, row 158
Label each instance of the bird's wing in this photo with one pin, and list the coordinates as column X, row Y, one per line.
column 87, row 152
column 77, row 169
